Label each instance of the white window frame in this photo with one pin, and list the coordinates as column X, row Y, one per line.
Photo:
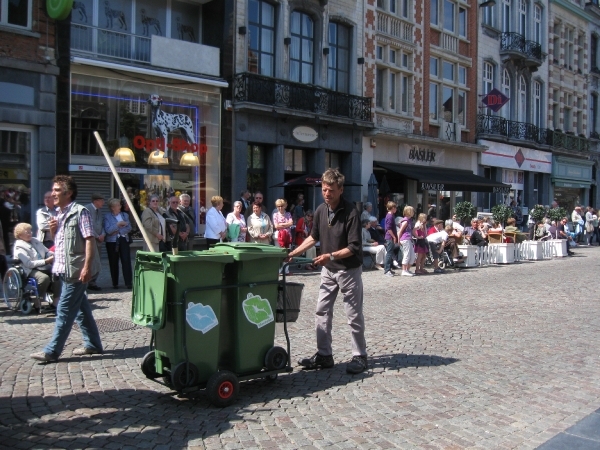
column 522, row 99
column 435, row 16
column 537, row 17
column 4, row 15
column 437, row 66
column 454, row 13
column 522, row 22
column 392, row 56
column 462, row 73
column 506, row 8
column 505, row 111
column 537, row 104
column 463, row 29
column 434, row 113
column 379, row 53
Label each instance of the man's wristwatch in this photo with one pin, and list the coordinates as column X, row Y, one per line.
column 331, row 258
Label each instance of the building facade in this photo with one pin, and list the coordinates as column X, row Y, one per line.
column 28, row 75
column 297, row 103
column 147, row 76
column 593, row 70
column 513, row 83
column 422, row 72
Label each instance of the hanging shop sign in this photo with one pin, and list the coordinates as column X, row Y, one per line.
column 305, row 134
column 87, row 168
column 512, row 157
column 495, row 100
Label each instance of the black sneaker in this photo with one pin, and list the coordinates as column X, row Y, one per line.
column 357, row 364
column 317, row 361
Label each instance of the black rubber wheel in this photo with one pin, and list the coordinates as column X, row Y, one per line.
column 180, row 380
column 167, row 381
column 276, row 358
column 11, row 286
column 26, row 306
column 222, row 388
column 148, row 365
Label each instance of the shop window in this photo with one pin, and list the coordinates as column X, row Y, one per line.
column 15, row 153
column 294, row 160
column 338, row 60
column 185, row 18
column 149, row 119
column 333, row 160
column 256, row 168
column 261, row 42
column 16, row 13
column 302, row 48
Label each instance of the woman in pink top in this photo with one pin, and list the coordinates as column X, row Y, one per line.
column 421, row 246
column 282, row 224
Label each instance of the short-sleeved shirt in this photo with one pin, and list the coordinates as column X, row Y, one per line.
column 85, row 227
column 336, row 230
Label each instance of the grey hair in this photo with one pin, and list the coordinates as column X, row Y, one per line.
column 182, row 196
column 373, row 219
column 448, row 222
column 153, row 196
column 368, row 204
column 236, row 203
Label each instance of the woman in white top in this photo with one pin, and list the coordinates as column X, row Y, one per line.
column 260, row 226
column 216, row 226
column 236, row 217
column 33, row 256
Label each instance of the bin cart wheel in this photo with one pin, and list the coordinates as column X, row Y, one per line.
column 26, row 306
column 179, row 379
column 222, row 388
column 276, row 358
column 148, row 365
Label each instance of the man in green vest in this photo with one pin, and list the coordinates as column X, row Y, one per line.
column 75, row 265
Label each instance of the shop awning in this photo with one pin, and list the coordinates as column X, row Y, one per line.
column 437, row 179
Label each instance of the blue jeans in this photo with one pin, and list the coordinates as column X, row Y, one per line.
column 73, row 305
column 389, row 255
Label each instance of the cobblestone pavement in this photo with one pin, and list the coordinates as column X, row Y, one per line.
column 495, row 357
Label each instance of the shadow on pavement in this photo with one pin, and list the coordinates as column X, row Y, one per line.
column 149, row 417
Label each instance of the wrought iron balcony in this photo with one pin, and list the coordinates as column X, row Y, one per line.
column 568, row 141
column 510, row 129
column 253, row 88
column 95, row 41
column 518, row 47
column 499, row 126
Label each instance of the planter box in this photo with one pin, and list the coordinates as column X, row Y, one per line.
column 534, row 250
column 502, row 253
column 469, row 252
column 559, row 247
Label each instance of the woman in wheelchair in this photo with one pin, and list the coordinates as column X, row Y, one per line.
column 35, row 259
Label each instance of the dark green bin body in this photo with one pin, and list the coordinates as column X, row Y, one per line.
column 244, row 344
column 160, row 280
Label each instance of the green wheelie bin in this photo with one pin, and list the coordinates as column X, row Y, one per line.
column 248, row 312
column 186, row 328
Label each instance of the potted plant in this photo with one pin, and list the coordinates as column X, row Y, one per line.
column 501, row 213
column 560, row 245
column 556, row 214
column 534, row 250
column 464, row 212
column 537, row 213
column 503, row 252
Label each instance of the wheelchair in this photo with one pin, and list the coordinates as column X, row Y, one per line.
column 20, row 291
column 444, row 261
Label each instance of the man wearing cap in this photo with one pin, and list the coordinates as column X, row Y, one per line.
column 96, row 216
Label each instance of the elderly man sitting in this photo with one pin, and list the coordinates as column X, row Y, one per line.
column 437, row 241
column 371, row 246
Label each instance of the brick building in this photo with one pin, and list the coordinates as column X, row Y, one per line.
column 421, row 66
column 28, row 75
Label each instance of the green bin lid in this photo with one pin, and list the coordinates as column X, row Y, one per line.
column 246, row 251
column 200, row 256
